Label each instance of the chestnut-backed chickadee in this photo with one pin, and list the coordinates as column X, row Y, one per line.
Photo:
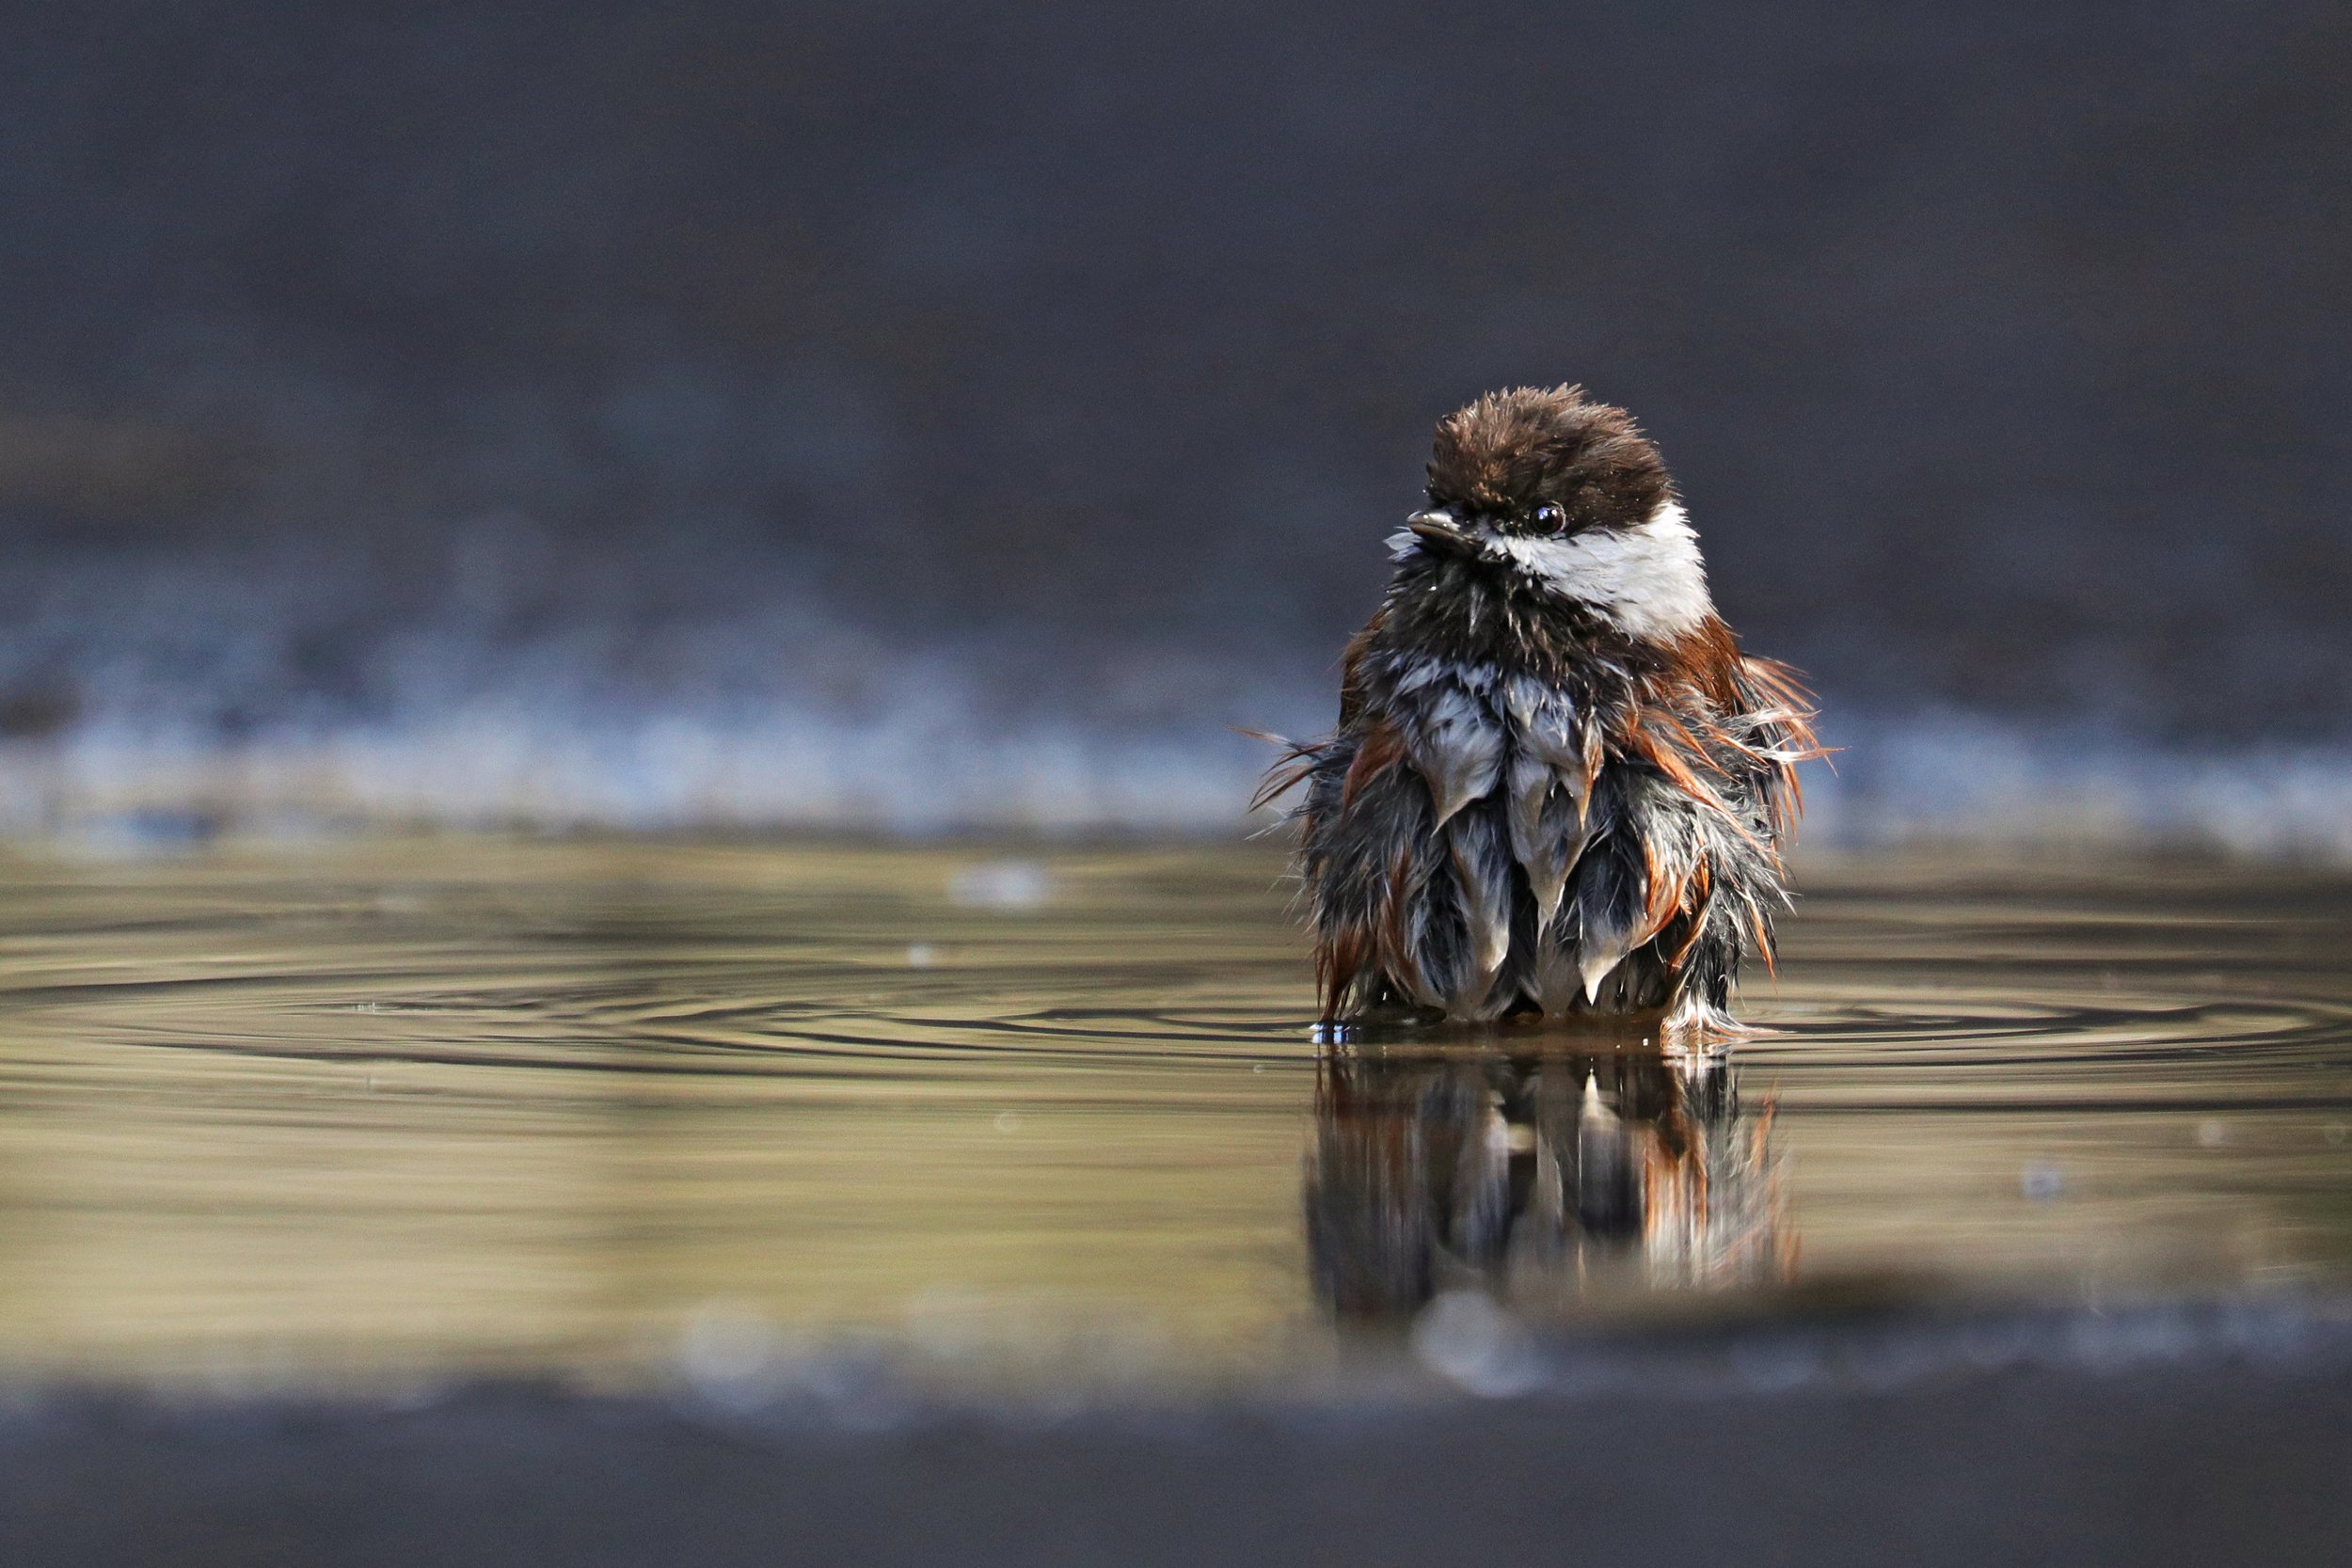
column 1557, row 785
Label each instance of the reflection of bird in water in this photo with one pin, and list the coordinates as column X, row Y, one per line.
column 1542, row 1173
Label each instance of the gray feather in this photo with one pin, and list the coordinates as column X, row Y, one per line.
column 1482, row 869
column 1547, row 833
column 1546, row 723
column 1457, row 746
column 1608, row 907
column 1552, row 981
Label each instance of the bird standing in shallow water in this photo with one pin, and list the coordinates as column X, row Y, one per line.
column 1557, row 785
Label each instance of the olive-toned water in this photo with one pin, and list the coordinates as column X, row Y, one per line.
column 382, row 1108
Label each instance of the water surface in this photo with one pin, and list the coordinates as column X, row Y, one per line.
column 608, row 1108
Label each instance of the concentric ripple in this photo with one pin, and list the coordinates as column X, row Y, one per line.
column 464, row 1101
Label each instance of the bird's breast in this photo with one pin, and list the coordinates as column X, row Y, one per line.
column 1475, row 730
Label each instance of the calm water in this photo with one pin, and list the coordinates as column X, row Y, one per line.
column 612, row 1109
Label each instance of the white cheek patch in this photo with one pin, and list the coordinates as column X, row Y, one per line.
column 1648, row 579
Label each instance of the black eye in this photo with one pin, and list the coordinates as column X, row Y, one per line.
column 1550, row 518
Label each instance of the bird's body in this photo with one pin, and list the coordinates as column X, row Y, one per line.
column 1557, row 785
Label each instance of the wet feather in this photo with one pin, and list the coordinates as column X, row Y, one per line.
column 1557, row 783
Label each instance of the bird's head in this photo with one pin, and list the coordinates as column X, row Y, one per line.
column 1567, row 496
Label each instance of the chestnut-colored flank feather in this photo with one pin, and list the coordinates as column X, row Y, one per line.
column 1557, row 785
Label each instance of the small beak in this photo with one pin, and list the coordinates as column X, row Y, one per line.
column 1436, row 528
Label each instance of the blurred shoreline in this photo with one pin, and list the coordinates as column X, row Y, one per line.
column 951, row 769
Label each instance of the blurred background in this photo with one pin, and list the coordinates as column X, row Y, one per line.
column 936, row 415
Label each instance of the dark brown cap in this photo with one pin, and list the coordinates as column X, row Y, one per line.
column 1512, row 451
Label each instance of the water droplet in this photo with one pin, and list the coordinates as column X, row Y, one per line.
column 921, row 955
column 1466, row 1339
column 2041, row 1180
column 2213, row 1134
column 1008, row 1122
column 729, row 1352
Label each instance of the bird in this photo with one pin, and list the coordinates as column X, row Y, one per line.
column 1558, row 787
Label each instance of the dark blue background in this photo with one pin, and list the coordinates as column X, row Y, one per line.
column 2000, row 350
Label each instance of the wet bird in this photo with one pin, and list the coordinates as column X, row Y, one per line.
column 1557, row 787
